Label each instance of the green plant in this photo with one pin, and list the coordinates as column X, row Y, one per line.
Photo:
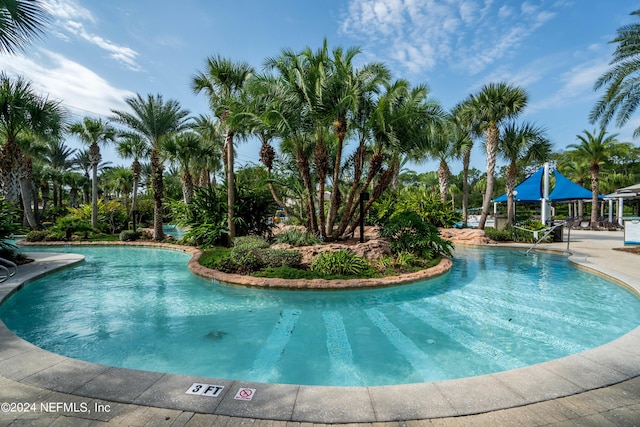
column 407, row 231
column 342, row 263
column 70, row 225
column 421, row 202
column 295, row 237
column 270, row 258
column 245, row 243
column 36, row 235
column 129, row 235
column 499, row 235
column 405, row 260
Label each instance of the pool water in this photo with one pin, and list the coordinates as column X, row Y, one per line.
column 497, row 309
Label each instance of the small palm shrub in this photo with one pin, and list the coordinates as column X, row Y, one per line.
column 70, row 225
column 408, row 232
column 341, row 263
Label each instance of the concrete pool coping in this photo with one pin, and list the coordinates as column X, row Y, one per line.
column 610, row 364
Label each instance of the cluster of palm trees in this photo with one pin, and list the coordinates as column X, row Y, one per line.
column 343, row 132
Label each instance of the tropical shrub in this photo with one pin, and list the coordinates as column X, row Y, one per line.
column 341, row 263
column 423, row 203
column 204, row 217
column 407, row 231
column 255, row 206
column 36, row 235
column 245, row 243
column 295, row 237
column 69, row 225
column 273, row 258
column 112, row 216
column 129, row 235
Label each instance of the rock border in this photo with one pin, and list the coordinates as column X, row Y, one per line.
column 443, row 267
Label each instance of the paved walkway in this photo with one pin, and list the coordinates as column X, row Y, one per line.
column 599, row 387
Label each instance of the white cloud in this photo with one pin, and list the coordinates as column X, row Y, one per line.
column 79, row 89
column 576, row 84
column 71, row 19
column 468, row 35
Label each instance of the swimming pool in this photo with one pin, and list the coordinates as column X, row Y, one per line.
column 479, row 318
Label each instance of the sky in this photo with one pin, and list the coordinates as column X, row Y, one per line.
column 96, row 53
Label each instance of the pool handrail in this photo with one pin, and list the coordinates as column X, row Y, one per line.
column 10, row 268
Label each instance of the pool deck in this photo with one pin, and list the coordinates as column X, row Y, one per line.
column 599, row 387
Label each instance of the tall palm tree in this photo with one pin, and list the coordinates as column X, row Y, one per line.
column 132, row 146
column 463, row 141
column 211, row 134
column 181, row 149
column 595, row 149
column 154, row 119
column 94, row 132
column 223, row 81
column 621, row 97
column 58, row 158
column 20, row 21
column 22, row 110
column 443, row 149
column 522, row 143
column 488, row 109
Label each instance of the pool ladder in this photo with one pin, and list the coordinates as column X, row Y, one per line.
column 7, row 269
column 549, row 231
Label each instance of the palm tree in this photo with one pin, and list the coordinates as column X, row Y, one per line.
column 75, row 181
column 119, row 180
column 595, row 149
column 463, row 141
column 57, row 157
column 181, row 149
column 522, row 143
column 132, row 146
column 223, row 82
column 487, row 110
column 212, row 137
column 22, row 110
column 93, row 132
column 154, row 120
column 20, row 20
column 622, row 96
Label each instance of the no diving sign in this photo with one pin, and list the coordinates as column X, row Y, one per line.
column 245, row 394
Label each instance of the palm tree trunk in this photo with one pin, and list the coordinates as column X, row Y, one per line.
column 492, row 152
column 444, row 174
column 357, row 176
column 25, row 189
column 322, row 164
column 10, row 161
column 94, row 195
column 341, row 129
column 466, row 161
column 187, row 186
column 594, row 196
column 158, row 187
column 135, row 169
column 510, row 184
column 231, row 188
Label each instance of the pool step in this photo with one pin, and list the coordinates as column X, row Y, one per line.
column 264, row 366
column 424, row 366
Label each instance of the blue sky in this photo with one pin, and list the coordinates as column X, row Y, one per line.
column 96, row 53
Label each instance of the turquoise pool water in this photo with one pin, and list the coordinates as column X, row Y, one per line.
column 495, row 310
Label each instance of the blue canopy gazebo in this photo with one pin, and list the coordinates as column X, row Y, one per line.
column 534, row 188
